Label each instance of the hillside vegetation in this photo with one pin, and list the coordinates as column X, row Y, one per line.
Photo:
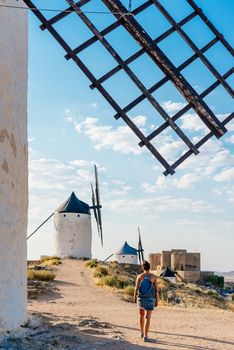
column 41, row 275
column 121, row 278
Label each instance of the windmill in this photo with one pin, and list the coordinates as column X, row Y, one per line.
column 127, row 254
column 72, row 224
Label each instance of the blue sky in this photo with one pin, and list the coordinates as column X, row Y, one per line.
column 71, row 126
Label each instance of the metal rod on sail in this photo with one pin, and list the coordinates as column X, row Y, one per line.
column 39, row 226
column 109, row 257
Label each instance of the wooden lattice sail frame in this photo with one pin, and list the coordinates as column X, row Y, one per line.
column 149, row 46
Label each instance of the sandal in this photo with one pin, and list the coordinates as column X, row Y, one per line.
column 146, row 339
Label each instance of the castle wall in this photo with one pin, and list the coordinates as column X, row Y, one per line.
column 192, row 261
column 178, row 261
column 190, row 276
column 154, row 260
column 165, row 259
column 13, row 166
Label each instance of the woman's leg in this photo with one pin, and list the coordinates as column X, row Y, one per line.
column 142, row 319
column 147, row 322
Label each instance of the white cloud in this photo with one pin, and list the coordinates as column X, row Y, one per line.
column 120, row 139
column 140, row 120
column 187, row 222
column 230, row 139
column 161, row 183
column 171, row 150
column 192, row 122
column 94, row 105
column 172, row 107
column 230, row 194
column 225, row 175
column 213, row 156
column 81, row 163
column 122, row 191
column 164, row 183
column 217, row 191
column 154, row 205
column 230, row 125
column 51, row 181
column 187, row 180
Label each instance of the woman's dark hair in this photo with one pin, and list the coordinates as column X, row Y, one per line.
column 146, row 265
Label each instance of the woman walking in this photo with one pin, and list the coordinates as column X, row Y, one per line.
column 146, row 295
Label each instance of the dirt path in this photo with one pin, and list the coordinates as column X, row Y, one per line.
column 101, row 320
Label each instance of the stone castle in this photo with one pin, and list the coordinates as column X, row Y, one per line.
column 186, row 265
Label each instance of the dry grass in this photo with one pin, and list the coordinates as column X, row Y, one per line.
column 40, row 275
column 50, row 261
column 91, row 263
column 118, row 282
column 121, row 277
column 100, row 271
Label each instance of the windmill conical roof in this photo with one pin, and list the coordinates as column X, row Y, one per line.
column 126, row 249
column 167, row 273
column 73, row 205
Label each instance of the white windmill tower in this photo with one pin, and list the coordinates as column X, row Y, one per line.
column 72, row 224
column 129, row 255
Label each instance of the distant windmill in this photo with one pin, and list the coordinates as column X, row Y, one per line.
column 72, row 224
column 127, row 254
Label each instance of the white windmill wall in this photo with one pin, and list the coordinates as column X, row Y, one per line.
column 171, row 279
column 73, row 235
column 13, row 165
column 126, row 259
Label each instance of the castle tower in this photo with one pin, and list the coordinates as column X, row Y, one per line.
column 13, row 165
column 73, row 235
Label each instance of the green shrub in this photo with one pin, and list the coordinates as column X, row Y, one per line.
column 215, row 280
column 51, row 262
column 40, row 275
column 198, row 292
column 44, row 258
column 100, row 271
column 114, row 281
column 91, row 263
column 129, row 290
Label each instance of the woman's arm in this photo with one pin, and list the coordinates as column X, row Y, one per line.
column 136, row 288
column 156, row 292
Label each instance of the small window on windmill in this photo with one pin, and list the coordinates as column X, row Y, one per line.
column 64, row 215
column 78, row 215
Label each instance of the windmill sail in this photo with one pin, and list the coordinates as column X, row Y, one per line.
column 94, row 207
column 96, row 204
column 140, row 248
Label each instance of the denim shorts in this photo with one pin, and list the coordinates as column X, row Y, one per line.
column 146, row 303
